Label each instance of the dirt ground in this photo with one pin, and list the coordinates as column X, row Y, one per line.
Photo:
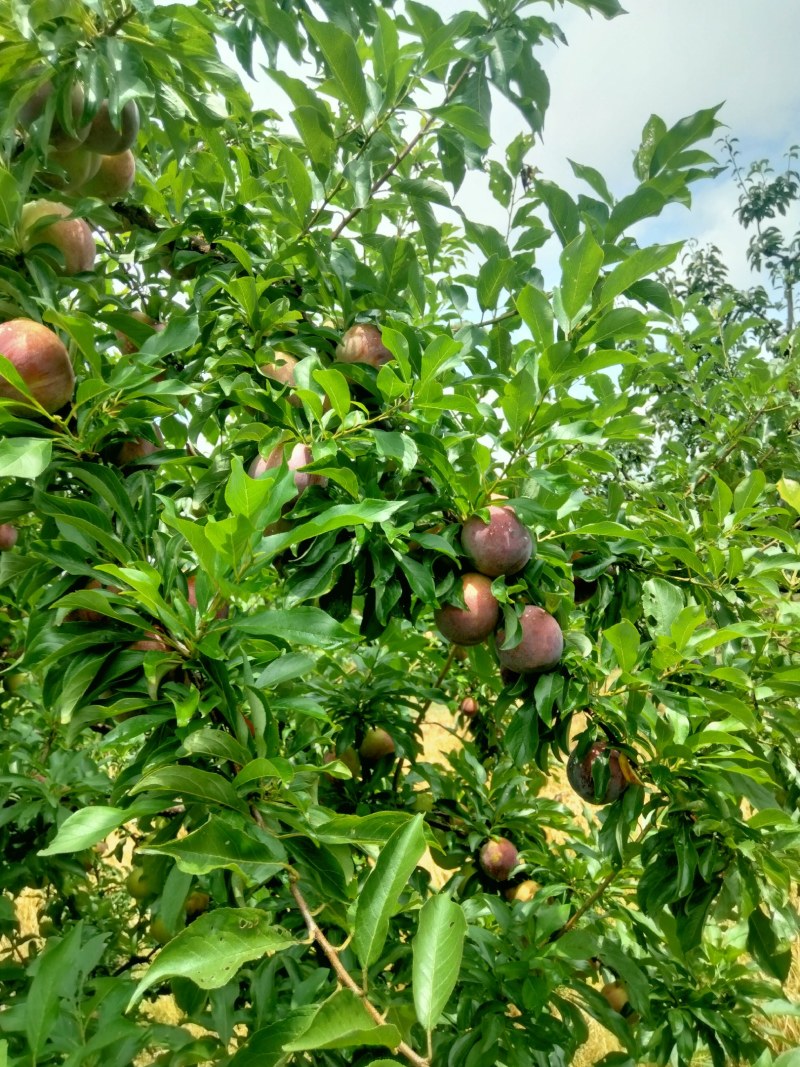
column 439, row 740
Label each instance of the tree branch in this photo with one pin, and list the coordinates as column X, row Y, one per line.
column 342, row 973
column 412, row 144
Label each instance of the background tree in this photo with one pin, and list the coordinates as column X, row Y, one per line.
column 254, row 448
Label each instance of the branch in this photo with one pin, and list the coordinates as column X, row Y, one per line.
column 119, row 22
column 342, row 973
column 412, row 144
column 587, row 904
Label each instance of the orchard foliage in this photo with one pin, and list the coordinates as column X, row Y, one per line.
column 233, row 672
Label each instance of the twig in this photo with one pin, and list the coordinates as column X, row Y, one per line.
column 343, row 974
column 119, row 22
column 412, row 144
column 588, row 903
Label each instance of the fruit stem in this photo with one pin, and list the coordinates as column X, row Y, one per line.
column 341, row 971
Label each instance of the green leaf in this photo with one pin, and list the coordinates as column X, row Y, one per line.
column 10, row 200
column 336, row 389
column 437, row 951
column 644, row 203
column 24, row 457
column 624, row 639
column 340, row 515
column 638, row 265
column 580, row 263
column 374, row 829
column 193, row 784
column 55, row 977
column 493, row 276
column 686, row 131
column 466, row 121
column 341, row 57
column 537, row 314
column 381, row 893
column 789, row 491
column 264, row 1048
column 762, row 943
column 85, row 828
column 219, row 844
column 297, row 626
column 343, row 1022
column 214, row 947
column 594, row 179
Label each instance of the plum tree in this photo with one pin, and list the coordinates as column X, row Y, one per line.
column 500, row 546
column 41, row 360
column 497, row 858
column 108, row 138
column 541, row 645
column 72, row 238
column 363, row 343
column 598, row 773
column 114, row 177
column 473, row 623
column 299, row 457
column 8, row 536
column 376, row 744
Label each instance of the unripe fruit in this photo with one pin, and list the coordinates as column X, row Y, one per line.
column 581, row 772
column 469, row 707
column 79, row 166
column 41, row 360
column 522, row 892
column 473, row 624
column 105, row 138
column 114, row 177
column 498, row 858
column 35, row 104
column 139, row 884
column 159, row 931
column 362, row 344
column 541, row 646
column 377, row 743
column 500, row 546
column 423, row 801
column 8, row 536
column 71, row 237
column 300, row 456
